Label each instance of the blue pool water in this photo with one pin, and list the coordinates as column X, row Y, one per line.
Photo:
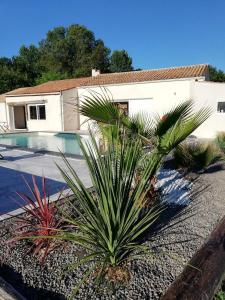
column 64, row 142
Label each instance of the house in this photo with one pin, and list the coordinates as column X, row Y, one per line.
column 51, row 106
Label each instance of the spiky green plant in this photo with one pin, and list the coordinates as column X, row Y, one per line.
column 196, row 155
column 111, row 221
column 220, row 141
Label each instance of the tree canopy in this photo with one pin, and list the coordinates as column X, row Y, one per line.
column 216, row 74
column 65, row 52
column 120, row 61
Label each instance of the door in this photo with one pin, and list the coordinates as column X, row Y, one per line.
column 20, row 117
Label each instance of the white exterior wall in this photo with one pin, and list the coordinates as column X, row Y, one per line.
column 209, row 94
column 3, row 117
column 151, row 97
column 70, row 115
column 53, row 110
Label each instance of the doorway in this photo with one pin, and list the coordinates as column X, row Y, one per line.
column 20, row 117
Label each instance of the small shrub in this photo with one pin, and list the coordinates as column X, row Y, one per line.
column 220, row 141
column 41, row 220
column 220, row 295
column 196, row 155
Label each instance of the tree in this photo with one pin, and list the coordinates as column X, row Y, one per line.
column 100, row 57
column 49, row 76
column 216, row 74
column 9, row 77
column 120, row 61
column 73, row 51
column 54, row 52
column 21, row 70
column 65, row 52
column 27, row 64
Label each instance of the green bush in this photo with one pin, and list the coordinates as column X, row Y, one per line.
column 196, row 155
column 220, row 141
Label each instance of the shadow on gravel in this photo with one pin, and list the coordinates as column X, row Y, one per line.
column 215, row 168
column 174, row 215
column 30, row 293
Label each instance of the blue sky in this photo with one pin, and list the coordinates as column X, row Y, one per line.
column 156, row 33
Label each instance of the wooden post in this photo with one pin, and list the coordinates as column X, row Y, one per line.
column 202, row 277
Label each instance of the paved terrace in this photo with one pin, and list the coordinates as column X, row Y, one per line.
column 18, row 163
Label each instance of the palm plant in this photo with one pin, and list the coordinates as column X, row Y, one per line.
column 163, row 133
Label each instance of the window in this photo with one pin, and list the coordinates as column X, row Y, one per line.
column 33, row 112
column 37, row 112
column 42, row 112
column 221, row 107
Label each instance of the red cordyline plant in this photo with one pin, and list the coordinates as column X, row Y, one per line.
column 41, row 219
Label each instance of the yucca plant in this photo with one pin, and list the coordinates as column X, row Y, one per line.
column 112, row 220
column 41, row 219
column 196, row 155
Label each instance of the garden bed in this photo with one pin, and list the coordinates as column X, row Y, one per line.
column 172, row 249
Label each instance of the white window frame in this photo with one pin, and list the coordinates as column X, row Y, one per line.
column 37, row 112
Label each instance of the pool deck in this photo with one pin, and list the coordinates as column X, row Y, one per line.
column 19, row 163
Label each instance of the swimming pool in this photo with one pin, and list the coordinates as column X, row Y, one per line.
column 43, row 141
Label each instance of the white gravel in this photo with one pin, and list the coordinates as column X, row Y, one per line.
column 175, row 189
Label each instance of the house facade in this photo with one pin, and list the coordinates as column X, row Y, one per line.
column 52, row 106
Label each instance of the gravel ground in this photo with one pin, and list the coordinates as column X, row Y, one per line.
column 173, row 248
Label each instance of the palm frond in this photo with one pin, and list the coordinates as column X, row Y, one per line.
column 100, row 107
column 188, row 122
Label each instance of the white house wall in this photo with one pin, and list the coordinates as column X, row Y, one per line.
column 151, row 97
column 70, row 115
column 53, row 109
column 208, row 94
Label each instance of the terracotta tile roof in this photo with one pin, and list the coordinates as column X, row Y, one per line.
column 116, row 78
column 50, row 87
column 149, row 75
column 19, row 91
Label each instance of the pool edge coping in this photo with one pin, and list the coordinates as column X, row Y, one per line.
column 44, row 152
